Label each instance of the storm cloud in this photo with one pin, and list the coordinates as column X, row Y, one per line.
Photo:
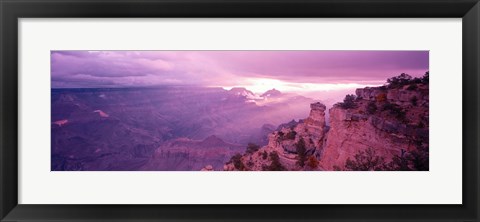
column 77, row 69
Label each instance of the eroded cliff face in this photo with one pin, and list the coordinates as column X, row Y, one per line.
column 390, row 121
column 307, row 136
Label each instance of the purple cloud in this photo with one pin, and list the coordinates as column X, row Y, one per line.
column 230, row 68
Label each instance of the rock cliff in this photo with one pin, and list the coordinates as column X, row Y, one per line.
column 379, row 128
column 389, row 121
column 287, row 146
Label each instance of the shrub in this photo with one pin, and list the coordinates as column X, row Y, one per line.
column 398, row 81
column 264, row 167
column 420, row 159
column 251, row 148
column 421, row 124
column 414, row 100
column 368, row 160
column 387, row 106
column 291, row 135
column 412, row 87
column 425, row 77
column 415, row 160
column 399, row 114
column 394, row 110
column 417, row 80
column 237, row 162
column 281, row 136
column 301, row 149
column 275, row 164
column 264, row 155
column 399, row 163
column 371, row 107
column 348, row 102
column 365, row 161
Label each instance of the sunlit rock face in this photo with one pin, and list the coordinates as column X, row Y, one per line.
column 351, row 133
column 389, row 121
column 385, row 131
column 314, row 125
column 284, row 142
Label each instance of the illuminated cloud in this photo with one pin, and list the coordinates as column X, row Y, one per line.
column 256, row 70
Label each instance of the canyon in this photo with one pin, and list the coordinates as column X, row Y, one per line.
column 379, row 128
column 194, row 128
column 162, row 128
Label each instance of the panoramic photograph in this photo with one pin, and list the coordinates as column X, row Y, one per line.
column 312, row 110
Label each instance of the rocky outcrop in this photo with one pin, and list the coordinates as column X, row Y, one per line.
column 349, row 135
column 284, row 143
column 314, row 126
column 370, row 93
column 391, row 121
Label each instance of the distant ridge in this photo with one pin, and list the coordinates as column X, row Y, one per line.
column 272, row 93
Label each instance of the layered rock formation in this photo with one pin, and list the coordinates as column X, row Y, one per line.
column 389, row 121
column 307, row 137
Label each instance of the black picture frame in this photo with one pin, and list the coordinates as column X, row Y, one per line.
column 12, row 10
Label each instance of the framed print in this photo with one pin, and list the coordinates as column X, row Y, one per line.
column 190, row 116
column 209, row 110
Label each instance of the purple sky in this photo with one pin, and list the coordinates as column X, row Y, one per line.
column 258, row 70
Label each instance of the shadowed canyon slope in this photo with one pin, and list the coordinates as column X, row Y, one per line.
column 163, row 128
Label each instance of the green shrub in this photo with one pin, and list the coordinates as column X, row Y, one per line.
column 281, row 134
column 419, row 159
column 348, row 102
column 371, row 107
column 414, row 100
column 425, row 77
column 399, row 163
column 275, row 164
column 421, row 124
column 252, row 147
column 301, row 149
column 394, row 110
column 406, row 161
column 291, row 135
column 398, row 81
column 365, row 161
column 237, row 162
column 264, row 155
column 412, row 87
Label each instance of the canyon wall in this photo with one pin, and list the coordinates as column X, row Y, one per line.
column 388, row 121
